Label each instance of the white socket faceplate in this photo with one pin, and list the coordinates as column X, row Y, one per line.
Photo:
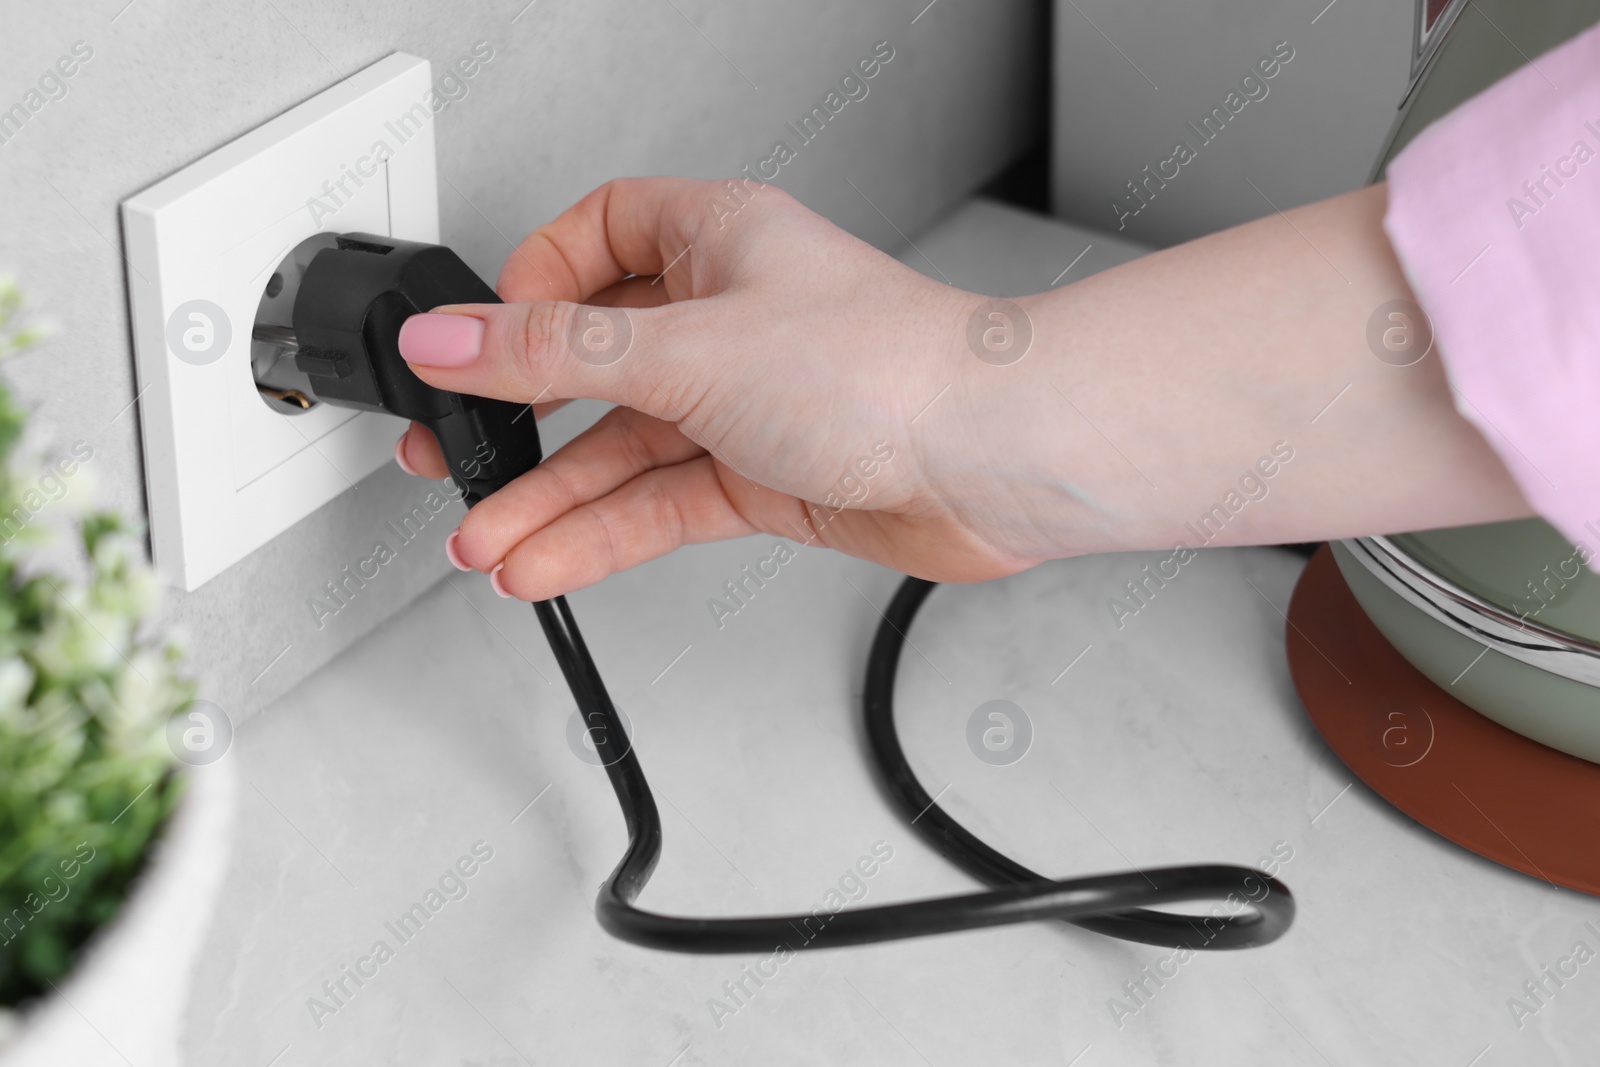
column 225, row 473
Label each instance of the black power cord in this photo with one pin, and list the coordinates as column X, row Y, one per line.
column 1113, row 904
column 348, row 313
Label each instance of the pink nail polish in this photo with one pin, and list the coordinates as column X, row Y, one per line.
column 452, row 554
column 441, row 340
column 494, row 581
column 400, row 456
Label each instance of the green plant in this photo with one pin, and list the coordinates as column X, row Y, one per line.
column 86, row 774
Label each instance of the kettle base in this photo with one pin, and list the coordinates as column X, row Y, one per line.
column 1491, row 791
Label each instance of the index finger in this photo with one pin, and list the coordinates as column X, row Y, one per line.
column 628, row 226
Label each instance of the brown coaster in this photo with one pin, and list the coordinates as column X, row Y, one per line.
column 1490, row 790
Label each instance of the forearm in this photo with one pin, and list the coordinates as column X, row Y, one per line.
column 1154, row 390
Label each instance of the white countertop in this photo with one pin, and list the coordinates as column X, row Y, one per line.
column 1176, row 739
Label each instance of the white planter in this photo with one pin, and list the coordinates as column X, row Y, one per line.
column 125, row 1001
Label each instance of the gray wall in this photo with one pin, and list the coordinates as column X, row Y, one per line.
column 578, row 91
column 1129, row 76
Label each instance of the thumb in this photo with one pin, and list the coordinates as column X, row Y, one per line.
column 543, row 351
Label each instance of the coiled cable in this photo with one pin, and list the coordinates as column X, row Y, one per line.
column 1259, row 908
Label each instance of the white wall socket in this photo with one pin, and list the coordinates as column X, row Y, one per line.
column 225, row 473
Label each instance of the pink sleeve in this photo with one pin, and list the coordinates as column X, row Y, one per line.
column 1494, row 212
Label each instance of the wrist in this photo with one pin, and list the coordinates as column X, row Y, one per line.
column 1002, row 449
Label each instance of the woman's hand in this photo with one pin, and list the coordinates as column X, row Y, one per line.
column 769, row 369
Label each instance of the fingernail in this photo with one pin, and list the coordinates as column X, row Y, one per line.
column 441, row 340
column 494, row 581
column 400, row 456
column 451, row 554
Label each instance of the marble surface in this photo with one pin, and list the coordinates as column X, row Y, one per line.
column 443, row 738
column 1178, row 738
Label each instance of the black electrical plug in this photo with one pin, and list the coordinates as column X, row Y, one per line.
column 353, row 299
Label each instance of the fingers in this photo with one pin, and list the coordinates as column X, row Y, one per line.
column 631, row 293
column 627, row 226
column 417, row 452
column 557, row 351
column 626, row 246
column 622, row 445
column 648, row 517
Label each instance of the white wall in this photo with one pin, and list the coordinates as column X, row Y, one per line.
column 578, row 91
